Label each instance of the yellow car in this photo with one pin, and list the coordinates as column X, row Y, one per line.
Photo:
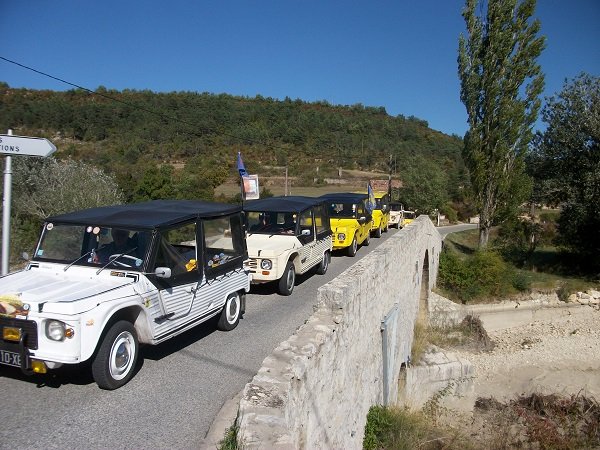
column 407, row 217
column 381, row 214
column 350, row 221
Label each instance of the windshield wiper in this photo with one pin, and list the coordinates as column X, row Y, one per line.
column 91, row 252
column 81, row 257
column 111, row 260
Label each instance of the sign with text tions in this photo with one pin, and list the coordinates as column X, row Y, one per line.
column 25, row 146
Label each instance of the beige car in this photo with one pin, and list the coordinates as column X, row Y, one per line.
column 287, row 236
column 395, row 215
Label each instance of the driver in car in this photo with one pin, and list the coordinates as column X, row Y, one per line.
column 121, row 243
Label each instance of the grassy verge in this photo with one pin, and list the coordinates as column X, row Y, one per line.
column 229, row 441
column 400, row 428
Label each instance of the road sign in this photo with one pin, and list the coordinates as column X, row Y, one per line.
column 25, row 146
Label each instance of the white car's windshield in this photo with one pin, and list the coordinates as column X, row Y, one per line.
column 271, row 222
column 90, row 245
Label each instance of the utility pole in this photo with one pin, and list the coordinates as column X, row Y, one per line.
column 286, row 180
column 390, row 179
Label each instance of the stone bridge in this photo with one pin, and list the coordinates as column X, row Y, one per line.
column 316, row 388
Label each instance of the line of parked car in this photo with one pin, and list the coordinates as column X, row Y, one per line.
column 104, row 280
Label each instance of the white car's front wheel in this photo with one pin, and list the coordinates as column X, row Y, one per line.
column 115, row 360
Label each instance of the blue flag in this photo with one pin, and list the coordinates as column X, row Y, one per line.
column 240, row 166
column 371, row 201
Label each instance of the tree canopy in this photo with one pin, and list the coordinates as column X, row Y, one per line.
column 566, row 164
column 500, row 87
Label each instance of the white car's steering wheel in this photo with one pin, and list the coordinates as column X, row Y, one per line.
column 130, row 261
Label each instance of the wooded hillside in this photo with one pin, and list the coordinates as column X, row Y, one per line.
column 184, row 144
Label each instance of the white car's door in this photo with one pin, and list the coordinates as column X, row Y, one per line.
column 177, row 252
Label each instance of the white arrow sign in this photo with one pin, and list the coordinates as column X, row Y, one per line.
column 26, row 146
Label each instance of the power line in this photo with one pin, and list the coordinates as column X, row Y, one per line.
column 140, row 108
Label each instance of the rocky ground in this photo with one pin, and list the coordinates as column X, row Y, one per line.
column 557, row 352
column 536, row 355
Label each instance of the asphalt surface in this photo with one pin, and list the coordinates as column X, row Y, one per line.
column 444, row 231
column 179, row 387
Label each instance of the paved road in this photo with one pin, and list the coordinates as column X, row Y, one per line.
column 444, row 231
column 177, row 391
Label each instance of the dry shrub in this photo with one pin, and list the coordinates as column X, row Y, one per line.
column 469, row 334
column 420, row 341
column 474, row 328
column 560, row 422
column 540, row 421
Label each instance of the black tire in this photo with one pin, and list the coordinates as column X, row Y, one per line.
column 231, row 313
column 367, row 241
column 287, row 280
column 116, row 358
column 378, row 232
column 351, row 251
column 324, row 265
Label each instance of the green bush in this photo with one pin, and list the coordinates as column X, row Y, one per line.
column 521, row 282
column 378, row 424
column 483, row 274
column 402, row 429
column 453, row 273
column 449, row 212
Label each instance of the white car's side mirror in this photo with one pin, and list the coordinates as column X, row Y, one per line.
column 162, row 272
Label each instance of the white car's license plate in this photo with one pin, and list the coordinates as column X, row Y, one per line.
column 10, row 358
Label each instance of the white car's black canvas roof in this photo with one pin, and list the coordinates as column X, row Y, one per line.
column 147, row 215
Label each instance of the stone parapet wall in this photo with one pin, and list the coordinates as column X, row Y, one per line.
column 315, row 389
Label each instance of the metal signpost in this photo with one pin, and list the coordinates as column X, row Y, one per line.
column 19, row 146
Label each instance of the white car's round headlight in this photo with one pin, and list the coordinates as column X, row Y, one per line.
column 266, row 264
column 55, row 330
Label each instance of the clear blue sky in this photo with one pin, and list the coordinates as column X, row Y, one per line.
column 397, row 54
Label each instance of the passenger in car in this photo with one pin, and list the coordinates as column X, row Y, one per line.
column 263, row 223
column 121, row 243
column 289, row 224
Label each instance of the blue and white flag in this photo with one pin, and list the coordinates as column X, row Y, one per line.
column 240, row 166
column 371, row 200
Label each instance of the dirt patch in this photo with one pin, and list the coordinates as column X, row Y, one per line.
column 557, row 352
column 539, row 384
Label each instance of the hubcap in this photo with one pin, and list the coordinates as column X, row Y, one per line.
column 232, row 309
column 290, row 279
column 122, row 355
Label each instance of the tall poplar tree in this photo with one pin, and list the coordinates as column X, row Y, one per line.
column 500, row 87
